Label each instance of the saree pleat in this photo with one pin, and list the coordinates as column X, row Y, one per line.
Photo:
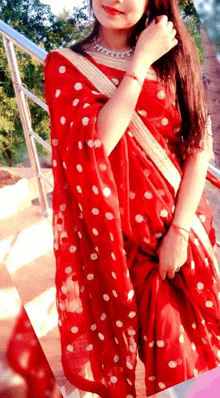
column 109, row 216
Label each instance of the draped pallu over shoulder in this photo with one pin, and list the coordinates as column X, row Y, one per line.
column 95, row 296
column 109, row 215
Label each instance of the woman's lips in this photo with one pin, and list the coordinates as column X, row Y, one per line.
column 112, row 11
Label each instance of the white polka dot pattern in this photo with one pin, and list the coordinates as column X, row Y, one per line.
column 75, row 101
column 142, row 112
column 161, row 385
column 74, row 329
column 62, row 69
column 148, row 195
column 164, row 213
column 85, row 121
column 200, row 286
column 57, row 93
column 164, row 121
column 90, row 277
column 161, row 94
column 129, row 365
column 72, row 249
column 78, row 86
column 172, row 364
column 109, row 216
column 101, row 336
column 139, row 218
column 79, row 168
column 209, row 304
column 68, row 270
column 160, row 343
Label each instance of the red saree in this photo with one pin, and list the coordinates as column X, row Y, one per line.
column 109, row 216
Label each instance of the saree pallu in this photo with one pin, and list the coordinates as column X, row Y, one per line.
column 109, row 217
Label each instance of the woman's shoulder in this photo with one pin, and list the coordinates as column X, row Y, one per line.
column 61, row 62
column 54, row 56
column 49, row 57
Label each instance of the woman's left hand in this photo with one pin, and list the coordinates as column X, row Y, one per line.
column 172, row 253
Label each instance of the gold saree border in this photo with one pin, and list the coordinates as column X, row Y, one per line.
column 151, row 146
column 144, row 137
column 117, row 63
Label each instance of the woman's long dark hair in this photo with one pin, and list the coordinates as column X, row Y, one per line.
column 180, row 65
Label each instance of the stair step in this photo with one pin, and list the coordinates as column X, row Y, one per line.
column 16, row 197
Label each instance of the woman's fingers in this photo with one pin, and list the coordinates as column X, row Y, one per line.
column 171, row 273
column 169, row 26
column 162, row 19
column 168, row 271
column 174, row 42
column 163, row 273
column 173, row 33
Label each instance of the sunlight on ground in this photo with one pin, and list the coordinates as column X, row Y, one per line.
column 42, row 312
column 10, row 303
column 31, row 243
column 9, row 202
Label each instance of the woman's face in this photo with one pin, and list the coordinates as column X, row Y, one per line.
column 129, row 12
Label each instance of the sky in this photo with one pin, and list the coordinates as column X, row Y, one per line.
column 58, row 5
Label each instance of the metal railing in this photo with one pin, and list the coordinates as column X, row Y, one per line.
column 10, row 38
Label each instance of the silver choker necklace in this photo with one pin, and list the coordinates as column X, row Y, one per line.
column 118, row 54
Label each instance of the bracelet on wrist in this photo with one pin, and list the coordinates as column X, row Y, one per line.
column 178, row 231
column 177, row 227
column 133, row 76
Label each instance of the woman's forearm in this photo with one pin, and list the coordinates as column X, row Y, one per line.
column 116, row 114
column 191, row 188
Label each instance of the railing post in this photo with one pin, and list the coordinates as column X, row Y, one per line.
column 26, row 123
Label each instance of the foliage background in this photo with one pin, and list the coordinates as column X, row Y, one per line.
column 36, row 21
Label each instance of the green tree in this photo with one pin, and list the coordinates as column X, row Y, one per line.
column 36, row 22
column 192, row 22
column 209, row 13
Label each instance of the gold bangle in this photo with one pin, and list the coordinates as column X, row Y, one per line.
column 133, row 76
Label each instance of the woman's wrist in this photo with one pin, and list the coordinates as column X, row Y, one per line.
column 180, row 228
column 177, row 230
column 139, row 67
column 134, row 77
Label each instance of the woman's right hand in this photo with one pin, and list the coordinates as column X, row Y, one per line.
column 156, row 40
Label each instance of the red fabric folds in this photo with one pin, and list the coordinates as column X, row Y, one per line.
column 26, row 357
column 109, row 215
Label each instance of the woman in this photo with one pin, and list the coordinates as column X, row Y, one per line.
column 133, row 233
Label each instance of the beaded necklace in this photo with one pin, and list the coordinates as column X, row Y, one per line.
column 118, row 54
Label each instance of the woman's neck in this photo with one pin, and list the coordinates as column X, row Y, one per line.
column 114, row 40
